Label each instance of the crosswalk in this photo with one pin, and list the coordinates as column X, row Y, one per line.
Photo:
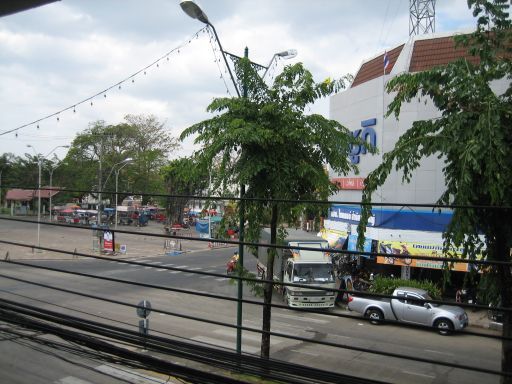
column 188, row 271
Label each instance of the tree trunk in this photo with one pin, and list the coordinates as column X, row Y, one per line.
column 268, row 288
column 502, row 253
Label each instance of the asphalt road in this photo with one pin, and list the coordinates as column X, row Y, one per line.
column 347, row 331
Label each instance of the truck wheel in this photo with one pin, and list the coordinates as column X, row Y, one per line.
column 374, row 315
column 444, row 326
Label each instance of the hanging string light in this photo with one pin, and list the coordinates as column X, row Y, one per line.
column 104, row 91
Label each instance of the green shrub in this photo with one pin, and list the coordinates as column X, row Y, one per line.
column 386, row 286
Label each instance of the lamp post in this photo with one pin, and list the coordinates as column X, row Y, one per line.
column 194, row 11
column 124, row 164
column 40, row 159
column 51, row 185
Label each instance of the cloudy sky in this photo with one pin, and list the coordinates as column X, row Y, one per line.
column 56, row 56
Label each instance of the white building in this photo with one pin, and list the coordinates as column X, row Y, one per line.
column 399, row 228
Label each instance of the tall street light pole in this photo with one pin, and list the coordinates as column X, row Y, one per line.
column 40, row 159
column 51, row 186
column 194, row 11
column 124, row 164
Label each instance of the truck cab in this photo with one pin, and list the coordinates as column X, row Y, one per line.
column 308, row 267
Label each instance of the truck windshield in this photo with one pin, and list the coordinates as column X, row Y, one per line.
column 319, row 273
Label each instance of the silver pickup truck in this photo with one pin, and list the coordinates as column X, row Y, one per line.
column 408, row 306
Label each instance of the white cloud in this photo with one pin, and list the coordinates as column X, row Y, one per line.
column 56, row 55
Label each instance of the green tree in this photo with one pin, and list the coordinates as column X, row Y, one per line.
column 142, row 138
column 182, row 177
column 267, row 143
column 473, row 136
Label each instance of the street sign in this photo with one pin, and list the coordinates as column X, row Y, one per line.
column 143, row 309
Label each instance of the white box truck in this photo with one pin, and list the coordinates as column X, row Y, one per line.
column 305, row 267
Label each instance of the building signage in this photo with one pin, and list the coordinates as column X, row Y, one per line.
column 350, row 183
column 403, row 249
column 367, row 133
column 348, row 214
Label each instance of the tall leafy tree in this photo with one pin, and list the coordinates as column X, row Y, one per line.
column 182, row 177
column 473, row 136
column 142, row 138
column 267, row 143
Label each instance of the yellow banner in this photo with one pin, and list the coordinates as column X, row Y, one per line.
column 403, row 249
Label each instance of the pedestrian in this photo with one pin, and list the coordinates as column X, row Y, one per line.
column 458, row 295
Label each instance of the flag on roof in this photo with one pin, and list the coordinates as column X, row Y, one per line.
column 386, row 60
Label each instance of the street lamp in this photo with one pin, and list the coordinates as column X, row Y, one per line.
column 40, row 159
column 124, row 163
column 288, row 54
column 102, row 187
column 51, row 185
column 194, row 11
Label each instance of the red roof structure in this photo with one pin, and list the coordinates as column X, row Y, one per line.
column 20, row 194
column 425, row 54
column 375, row 68
column 29, row 194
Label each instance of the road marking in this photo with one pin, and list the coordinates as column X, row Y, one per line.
column 248, row 336
column 305, row 353
column 182, row 266
column 167, row 265
column 221, row 279
column 208, row 271
column 419, row 374
column 71, row 380
column 439, row 352
column 163, row 269
column 225, row 344
column 128, row 375
column 307, row 319
column 175, row 272
column 153, row 262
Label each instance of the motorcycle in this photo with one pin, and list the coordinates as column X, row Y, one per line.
column 231, row 265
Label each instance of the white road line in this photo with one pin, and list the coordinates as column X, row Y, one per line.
column 163, row 269
column 182, row 266
column 173, row 272
column 133, row 265
column 306, row 319
column 71, row 380
column 304, row 352
column 128, row 375
column 208, row 271
column 439, row 352
column 419, row 374
column 248, row 336
column 221, row 279
column 167, row 265
column 148, row 267
column 153, row 262
column 225, row 344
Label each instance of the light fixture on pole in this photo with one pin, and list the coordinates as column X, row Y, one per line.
column 51, row 185
column 124, row 163
column 40, row 159
column 288, row 54
column 195, row 12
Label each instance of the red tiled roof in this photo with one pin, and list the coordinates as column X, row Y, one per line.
column 437, row 52
column 375, row 67
column 29, row 194
column 20, row 194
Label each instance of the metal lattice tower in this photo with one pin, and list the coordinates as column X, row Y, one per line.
column 422, row 17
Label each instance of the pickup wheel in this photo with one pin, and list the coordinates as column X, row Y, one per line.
column 374, row 315
column 444, row 326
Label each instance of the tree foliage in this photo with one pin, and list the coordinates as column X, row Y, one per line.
column 472, row 136
column 267, row 143
column 182, row 177
column 142, row 138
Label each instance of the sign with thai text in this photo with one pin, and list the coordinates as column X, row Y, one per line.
column 349, row 183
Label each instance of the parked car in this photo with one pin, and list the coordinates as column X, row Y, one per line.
column 410, row 305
